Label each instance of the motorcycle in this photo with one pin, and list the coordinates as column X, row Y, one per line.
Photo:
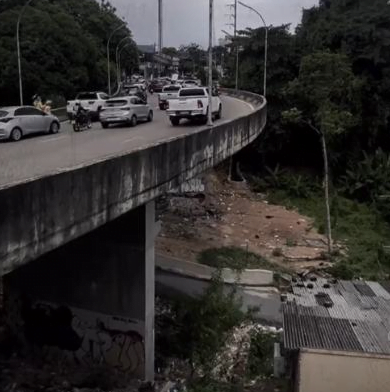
column 81, row 122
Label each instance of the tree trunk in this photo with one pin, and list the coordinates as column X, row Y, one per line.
column 326, row 186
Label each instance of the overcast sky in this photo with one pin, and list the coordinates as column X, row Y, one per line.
column 187, row 20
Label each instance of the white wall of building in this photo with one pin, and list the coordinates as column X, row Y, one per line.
column 331, row 371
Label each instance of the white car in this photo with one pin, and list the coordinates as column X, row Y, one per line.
column 19, row 121
column 125, row 110
column 168, row 92
column 193, row 104
column 91, row 101
column 190, row 83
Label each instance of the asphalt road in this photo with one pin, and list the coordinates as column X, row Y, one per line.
column 41, row 155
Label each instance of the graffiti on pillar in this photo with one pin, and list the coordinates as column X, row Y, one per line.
column 84, row 337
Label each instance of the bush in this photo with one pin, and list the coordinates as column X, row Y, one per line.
column 197, row 328
column 261, row 353
column 235, row 258
column 357, row 226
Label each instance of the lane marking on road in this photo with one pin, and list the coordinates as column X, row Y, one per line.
column 53, row 139
column 132, row 139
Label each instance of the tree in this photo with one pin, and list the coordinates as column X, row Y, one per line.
column 324, row 96
column 172, row 52
column 192, row 58
column 63, row 47
column 198, row 327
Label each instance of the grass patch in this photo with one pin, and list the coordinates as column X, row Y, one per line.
column 237, row 259
column 357, row 225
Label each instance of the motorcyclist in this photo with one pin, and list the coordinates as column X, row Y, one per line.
column 80, row 112
column 142, row 95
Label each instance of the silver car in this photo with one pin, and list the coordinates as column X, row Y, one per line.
column 125, row 110
column 18, row 121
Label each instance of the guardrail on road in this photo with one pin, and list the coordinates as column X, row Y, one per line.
column 60, row 113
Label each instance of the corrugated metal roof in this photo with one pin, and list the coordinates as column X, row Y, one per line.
column 338, row 315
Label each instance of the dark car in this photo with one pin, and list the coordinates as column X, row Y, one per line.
column 157, row 85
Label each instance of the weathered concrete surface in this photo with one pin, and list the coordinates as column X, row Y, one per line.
column 326, row 371
column 247, row 277
column 92, row 300
column 40, row 215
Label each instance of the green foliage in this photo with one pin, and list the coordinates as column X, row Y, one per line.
column 63, row 47
column 170, row 51
column 193, row 59
column 198, row 327
column 325, row 92
column 261, row 353
column 294, row 185
column 369, row 178
column 358, row 228
column 235, row 258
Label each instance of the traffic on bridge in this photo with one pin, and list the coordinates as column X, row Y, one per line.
column 46, row 153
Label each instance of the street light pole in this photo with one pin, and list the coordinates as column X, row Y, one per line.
column 18, row 51
column 235, row 41
column 119, row 55
column 210, row 109
column 265, row 44
column 237, row 55
column 160, row 26
column 108, row 55
column 116, row 57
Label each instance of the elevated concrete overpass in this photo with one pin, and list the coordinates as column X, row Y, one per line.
column 77, row 223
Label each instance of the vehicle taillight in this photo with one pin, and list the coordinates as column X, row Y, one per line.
column 200, row 104
column 91, row 102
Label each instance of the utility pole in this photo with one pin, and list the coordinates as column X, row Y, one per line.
column 18, row 51
column 235, row 40
column 160, row 33
column 265, row 44
column 210, row 109
column 160, row 26
column 234, row 25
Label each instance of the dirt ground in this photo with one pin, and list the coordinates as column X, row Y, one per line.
column 229, row 214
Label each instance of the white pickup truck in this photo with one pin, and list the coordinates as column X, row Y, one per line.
column 168, row 92
column 92, row 101
column 193, row 104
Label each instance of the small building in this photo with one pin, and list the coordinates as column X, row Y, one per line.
column 336, row 336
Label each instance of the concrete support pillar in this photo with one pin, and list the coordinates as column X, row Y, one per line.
column 92, row 299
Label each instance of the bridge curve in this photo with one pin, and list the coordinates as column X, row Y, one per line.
column 42, row 213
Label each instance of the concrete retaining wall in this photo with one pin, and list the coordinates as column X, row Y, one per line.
column 256, row 277
column 42, row 214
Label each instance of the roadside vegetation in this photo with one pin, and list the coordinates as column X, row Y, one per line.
column 216, row 346
column 360, row 229
column 327, row 92
column 63, row 46
column 234, row 258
